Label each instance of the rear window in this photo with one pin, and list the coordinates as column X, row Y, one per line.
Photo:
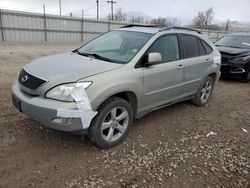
column 190, row 46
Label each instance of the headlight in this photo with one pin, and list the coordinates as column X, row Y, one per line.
column 245, row 58
column 58, row 92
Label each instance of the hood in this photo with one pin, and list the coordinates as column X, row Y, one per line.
column 233, row 51
column 68, row 67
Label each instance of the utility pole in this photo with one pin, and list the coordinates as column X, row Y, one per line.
column 112, row 8
column 227, row 25
column 1, row 25
column 44, row 23
column 60, row 7
column 82, row 25
column 97, row 9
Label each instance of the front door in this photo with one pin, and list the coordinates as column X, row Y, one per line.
column 163, row 82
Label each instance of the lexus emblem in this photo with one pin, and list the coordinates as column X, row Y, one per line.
column 25, row 78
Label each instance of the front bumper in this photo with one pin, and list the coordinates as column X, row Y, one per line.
column 232, row 71
column 44, row 111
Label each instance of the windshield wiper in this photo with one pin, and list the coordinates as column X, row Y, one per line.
column 228, row 46
column 80, row 53
column 234, row 46
column 96, row 56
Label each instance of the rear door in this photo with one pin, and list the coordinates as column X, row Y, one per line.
column 195, row 60
column 163, row 81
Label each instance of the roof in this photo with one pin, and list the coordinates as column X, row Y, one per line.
column 153, row 29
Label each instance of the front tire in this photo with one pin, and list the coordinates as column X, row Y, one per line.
column 246, row 76
column 112, row 123
column 204, row 93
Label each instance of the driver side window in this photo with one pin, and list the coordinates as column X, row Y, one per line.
column 168, row 47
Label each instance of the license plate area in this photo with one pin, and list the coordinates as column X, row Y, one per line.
column 17, row 103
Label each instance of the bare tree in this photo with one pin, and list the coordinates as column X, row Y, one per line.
column 173, row 22
column 119, row 15
column 227, row 25
column 204, row 19
column 134, row 17
column 166, row 21
column 137, row 19
column 159, row 21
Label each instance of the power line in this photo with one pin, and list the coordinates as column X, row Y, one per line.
column 112, row 7
column 90, row 7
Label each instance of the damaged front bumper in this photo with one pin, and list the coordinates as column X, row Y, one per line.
column 234, row 70
column 44, row 110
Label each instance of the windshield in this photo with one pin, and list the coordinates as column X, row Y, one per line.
column 115, row 46
column 234, row 41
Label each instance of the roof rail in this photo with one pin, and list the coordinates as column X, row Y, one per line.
column 138, row 25
column 181, row 28
column 161, row 28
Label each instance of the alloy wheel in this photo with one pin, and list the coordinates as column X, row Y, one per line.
column 115, row 124
column 206, row 91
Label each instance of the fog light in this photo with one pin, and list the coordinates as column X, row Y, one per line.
column 238, row 70
column 62, row 121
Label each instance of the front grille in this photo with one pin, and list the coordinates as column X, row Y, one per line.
column 224, row 61
column 29, row 80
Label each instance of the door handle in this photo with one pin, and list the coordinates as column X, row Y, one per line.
column 207, row 61
column 180, row 66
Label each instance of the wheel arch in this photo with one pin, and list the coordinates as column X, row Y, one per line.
column 128, row 96
column 213, row 75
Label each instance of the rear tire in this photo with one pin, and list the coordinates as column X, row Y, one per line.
column 112, row 123
column 204, row 92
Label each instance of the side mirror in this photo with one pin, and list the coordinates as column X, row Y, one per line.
column 154, row 57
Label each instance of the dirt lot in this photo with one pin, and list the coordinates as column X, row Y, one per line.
column 167, row 148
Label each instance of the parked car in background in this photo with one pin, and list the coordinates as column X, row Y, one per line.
column 126, row 73
column 235, row 51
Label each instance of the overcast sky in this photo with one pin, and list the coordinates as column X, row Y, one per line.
column 185, row 10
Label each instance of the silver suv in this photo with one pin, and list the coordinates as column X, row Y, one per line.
column 100, row 88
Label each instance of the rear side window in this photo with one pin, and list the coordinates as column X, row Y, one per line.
column 201, row 48
column 207, row 47
column 190, row 46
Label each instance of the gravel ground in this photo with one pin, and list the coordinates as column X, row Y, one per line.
column 170, row 147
